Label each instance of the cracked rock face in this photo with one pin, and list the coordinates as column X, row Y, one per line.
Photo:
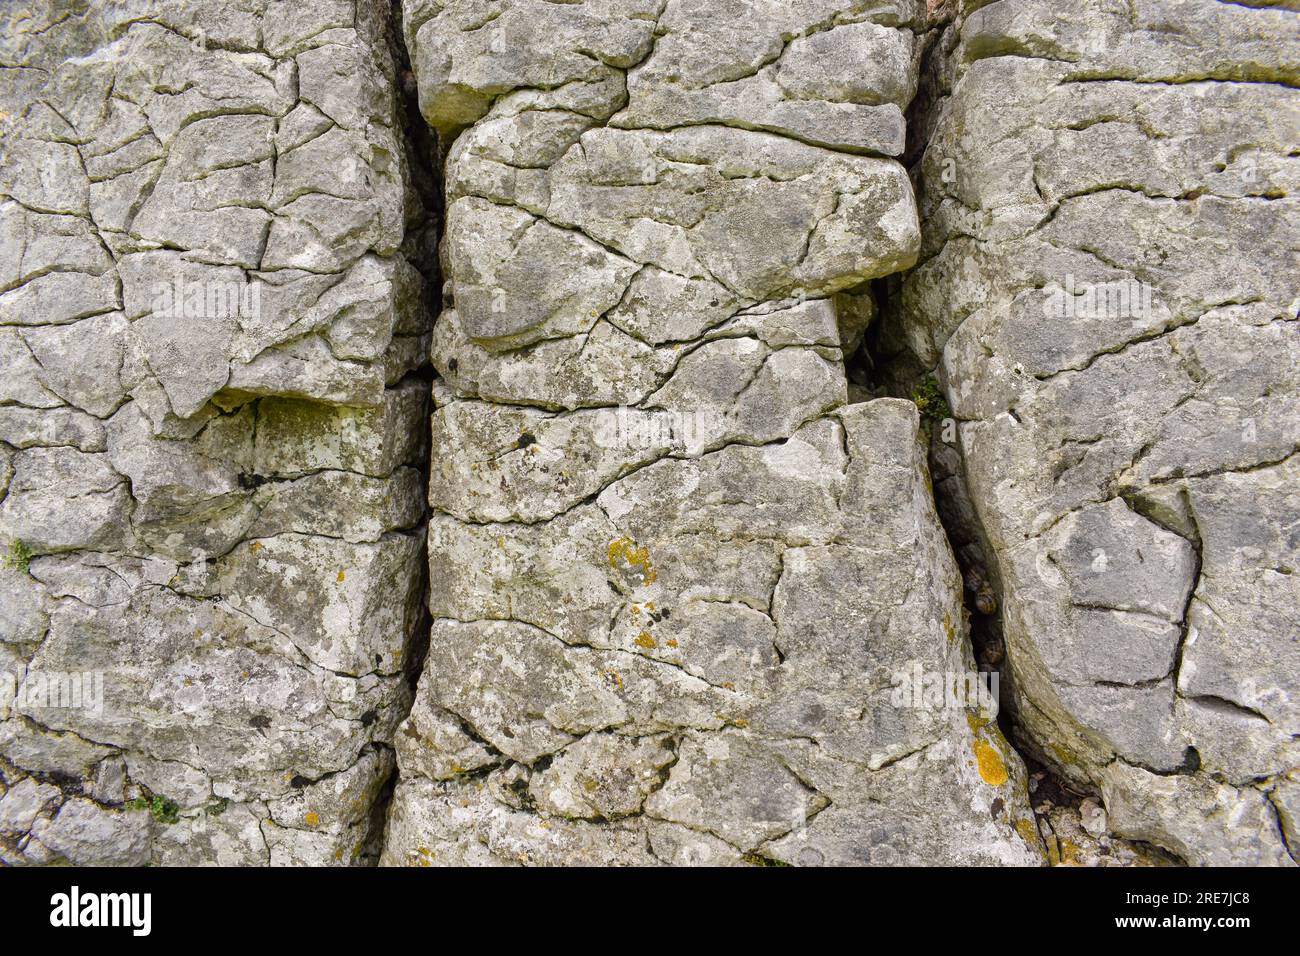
column 1108, row 291
column 210, row 487
column 610, row 564
column 673, row 571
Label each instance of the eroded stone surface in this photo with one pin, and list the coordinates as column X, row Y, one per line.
column 674, row 573
column 211, row 495
column 1107, row 290
column 676, row 565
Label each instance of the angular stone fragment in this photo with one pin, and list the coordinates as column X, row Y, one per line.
column 602, row 776
column 1189, row 814
column 837, row 74
column 83, row 833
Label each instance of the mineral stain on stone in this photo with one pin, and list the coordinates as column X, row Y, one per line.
column 637, row 559
column 992, row 767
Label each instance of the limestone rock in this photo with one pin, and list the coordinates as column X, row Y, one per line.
column 676, row 579
column 210, row 443
column 1107, row 293
column 630, row 557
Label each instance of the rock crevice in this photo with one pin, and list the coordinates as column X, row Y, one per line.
column 1104, row 295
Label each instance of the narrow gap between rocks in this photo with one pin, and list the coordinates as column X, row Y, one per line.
column 420, row 247
column 885, row 366
column 882, row 366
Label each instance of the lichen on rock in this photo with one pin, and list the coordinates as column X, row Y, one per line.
column 212, row 439
column 851, row 432
column 1107, row 292
column 674, row 572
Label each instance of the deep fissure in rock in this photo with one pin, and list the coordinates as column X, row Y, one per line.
column 424, row 160
column 1118, row 445
column 886, row 365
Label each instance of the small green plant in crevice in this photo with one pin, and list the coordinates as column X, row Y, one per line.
column 160, row 808
column 929, row 399
column 216, row 808
column 17, row 557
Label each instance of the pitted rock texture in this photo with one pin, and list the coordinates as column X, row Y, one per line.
column 669, row 566
column 210, row 445
column 1108, row 291
column 673, row 571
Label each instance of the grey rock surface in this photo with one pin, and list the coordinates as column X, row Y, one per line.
column 1108, row 291
column 655, row 571
column 212, row 504
column 674, row 573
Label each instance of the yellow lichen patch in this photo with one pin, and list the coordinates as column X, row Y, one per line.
column 312, row 819
column 671, row 642
column 977, row 723
column 1061, row 852
column 625, row 551
column 255, row 546
column 341, row 577
column 1028, row 832
column 992, row 767
column 949, row 629
column 1069, row 854
column 645, row 640
column 615, row 678
column 1062, row 754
